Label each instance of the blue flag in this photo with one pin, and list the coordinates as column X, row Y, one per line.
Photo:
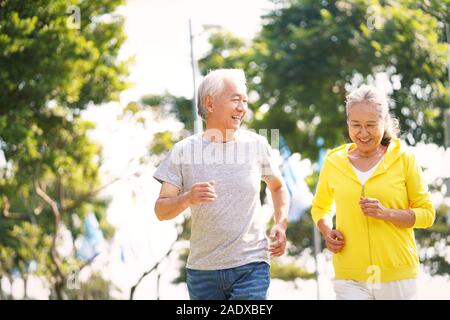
column 92, row 239
column 299, row 192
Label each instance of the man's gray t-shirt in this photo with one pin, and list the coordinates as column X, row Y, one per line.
column 230, row 231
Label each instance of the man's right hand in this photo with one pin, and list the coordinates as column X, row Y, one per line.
column 202, row 192
column 334, row 241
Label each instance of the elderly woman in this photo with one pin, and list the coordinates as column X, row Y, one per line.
column 380, row 198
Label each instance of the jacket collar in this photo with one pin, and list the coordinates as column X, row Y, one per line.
column 339, row 159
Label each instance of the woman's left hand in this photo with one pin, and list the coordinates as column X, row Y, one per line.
column 372, row 207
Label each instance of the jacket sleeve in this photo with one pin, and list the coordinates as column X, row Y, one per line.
column 324, row 197
column 418, row 195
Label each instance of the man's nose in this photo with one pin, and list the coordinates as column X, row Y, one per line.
column 241, row 106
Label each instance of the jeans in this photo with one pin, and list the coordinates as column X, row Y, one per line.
column 248, row 282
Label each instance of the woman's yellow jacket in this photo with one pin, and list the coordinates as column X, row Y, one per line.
column 374, row 250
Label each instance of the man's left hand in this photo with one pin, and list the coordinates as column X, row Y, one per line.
column 278, row 243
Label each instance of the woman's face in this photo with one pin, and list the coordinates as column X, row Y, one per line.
column 365, row 126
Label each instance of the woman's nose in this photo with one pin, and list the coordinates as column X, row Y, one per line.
column 363, row 130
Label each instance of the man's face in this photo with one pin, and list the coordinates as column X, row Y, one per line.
column 229, row 107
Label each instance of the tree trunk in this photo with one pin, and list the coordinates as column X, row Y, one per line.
column 59, row 290
column 60, row 278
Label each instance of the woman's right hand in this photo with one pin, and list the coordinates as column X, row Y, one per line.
column 334, row 240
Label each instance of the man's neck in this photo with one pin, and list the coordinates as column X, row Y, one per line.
column 215, row 134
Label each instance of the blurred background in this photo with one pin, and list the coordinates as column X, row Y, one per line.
column 94, row 93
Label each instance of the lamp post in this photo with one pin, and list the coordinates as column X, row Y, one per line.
column 197, row 125
column 447, row 113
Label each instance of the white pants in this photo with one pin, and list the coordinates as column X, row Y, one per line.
column 394, row 290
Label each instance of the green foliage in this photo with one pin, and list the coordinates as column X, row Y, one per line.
column 300, row 234
column 95, row 288
column 49, row 168
column 161, row 106
column 45, row 60
column 162, row 142
column 288, row 272
column 168, row 104
column 309, row 53
column 26, row 236
column 433, row 243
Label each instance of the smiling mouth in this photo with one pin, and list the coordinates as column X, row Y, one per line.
column 237, row 118
column 365, row 140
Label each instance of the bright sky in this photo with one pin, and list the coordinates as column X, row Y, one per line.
column 158, row 34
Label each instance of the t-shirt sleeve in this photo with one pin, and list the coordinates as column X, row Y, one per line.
column 170, row 169
column 269, row 166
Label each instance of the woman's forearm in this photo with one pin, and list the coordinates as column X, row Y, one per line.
column 324, row 226
column 401, row 217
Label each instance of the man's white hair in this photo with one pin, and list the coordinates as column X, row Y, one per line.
column 213, row 84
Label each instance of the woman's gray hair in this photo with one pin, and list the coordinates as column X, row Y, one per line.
column 213, row 84
column 370, row 95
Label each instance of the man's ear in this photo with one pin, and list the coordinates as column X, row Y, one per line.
column 209, row 104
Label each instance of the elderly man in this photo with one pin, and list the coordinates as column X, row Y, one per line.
column 217, row 174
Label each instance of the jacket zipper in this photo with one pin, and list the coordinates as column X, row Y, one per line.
column 363, row 195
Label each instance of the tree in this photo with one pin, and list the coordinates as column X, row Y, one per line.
column 310, row 53
column 94, row 288
column 49, row 176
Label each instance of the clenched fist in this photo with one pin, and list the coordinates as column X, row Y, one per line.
column 202, row 192
column 334, row 241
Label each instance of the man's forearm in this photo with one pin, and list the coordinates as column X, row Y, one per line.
column 169, row 208
column 280, row 198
